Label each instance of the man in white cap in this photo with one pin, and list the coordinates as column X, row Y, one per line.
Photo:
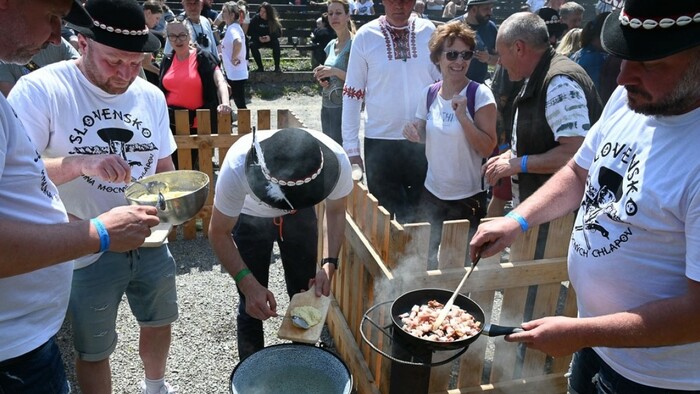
column 266, row 192
column 634, row 257
column 36, row 239
column 99, row 127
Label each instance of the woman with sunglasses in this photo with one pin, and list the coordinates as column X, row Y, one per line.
column 191, row 79
column 331, row 74
column 457, row 124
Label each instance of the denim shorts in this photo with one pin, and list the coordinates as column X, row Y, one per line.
column 146, row 275
column 589, row 374
column 37, row 372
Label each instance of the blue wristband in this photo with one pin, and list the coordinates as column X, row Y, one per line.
column 503, row 147
column 102, row 232
column 524, row 225
column 523, row 163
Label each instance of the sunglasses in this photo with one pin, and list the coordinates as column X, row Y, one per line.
column 453, row 55
column 181, row 36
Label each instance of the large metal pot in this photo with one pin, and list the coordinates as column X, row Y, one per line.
column 420, row 297
column 176, row 210
column 291, row 368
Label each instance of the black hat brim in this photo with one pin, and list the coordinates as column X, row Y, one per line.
column 78, row 16
column 302, row 196
column 646, row 45
column 145, row 43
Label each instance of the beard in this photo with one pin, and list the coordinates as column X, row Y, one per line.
column 481, row 19
column 680, row 100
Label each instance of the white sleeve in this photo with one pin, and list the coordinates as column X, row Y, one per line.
column 353, row 96
column 422, row 109
column 30, row 102
column 566, row 108
column 483, row 97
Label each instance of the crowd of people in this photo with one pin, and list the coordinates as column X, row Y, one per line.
column 550, row 112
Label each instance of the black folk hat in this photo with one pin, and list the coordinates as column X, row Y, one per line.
column 291, row 169
column 77, row 15
column 551, row 18
column 119, row 24
column 480, row 2
column 652, row 29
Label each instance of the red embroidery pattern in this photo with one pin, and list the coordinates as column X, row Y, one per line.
column 357, row 94
column 400, row 42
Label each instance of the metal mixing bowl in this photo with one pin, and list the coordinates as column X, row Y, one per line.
column 194, row 186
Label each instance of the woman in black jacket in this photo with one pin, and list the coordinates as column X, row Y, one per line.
column 264, row 31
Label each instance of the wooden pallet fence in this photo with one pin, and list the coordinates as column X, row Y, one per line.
column 381, row 259
column 208, row 141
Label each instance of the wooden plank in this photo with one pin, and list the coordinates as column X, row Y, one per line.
column 505, row 354
column 471, row 365
column 364, row 253
column 363, row 380
column 558, row 236
column 498, row 276
column 286, row 118
column 244, row 121
column 182, row 127
column 414, row 257
column 454, row 244
column 546, row 384
column 524, row 246
column 370, row 230
column 545, row 305
column 264, row 119
column 383, row 234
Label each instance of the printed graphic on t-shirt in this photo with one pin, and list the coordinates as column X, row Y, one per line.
column 610, row 196
column 132, row 142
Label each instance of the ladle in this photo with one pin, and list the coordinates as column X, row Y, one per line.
column 298, row 321
column 448, row 305
column 151, row 188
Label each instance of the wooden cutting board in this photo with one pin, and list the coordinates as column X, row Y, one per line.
column 159, row 234
column 290, row 332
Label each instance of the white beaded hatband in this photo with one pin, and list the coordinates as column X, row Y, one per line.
column 663, row 23
column 298, row 182
column 117, row 30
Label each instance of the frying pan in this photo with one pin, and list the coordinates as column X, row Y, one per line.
column 407, row 300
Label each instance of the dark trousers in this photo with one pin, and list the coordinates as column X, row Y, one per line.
column 395, row 171
column 331, row 120
column 589, row 374
column 297, row 237
column 39, row 371
column 238, row 93
column 436, row 211
column 255, row 46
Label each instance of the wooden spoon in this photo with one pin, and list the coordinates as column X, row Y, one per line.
column 448, row 306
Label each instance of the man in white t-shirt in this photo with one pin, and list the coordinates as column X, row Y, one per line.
column 36, row 239
column 98, row 128
column 268, row 186
column 634, row 256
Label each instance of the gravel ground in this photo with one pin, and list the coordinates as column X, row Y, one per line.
column 203, row 351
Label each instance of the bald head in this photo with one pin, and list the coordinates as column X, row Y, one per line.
column 526, row 27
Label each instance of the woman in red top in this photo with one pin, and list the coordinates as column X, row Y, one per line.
column 191, row 79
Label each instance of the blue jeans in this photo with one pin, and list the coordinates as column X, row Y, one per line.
column 37, row 372
column 591, row 375
column 331, row 119
column 297, row 237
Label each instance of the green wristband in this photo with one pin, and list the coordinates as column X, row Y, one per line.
column 241, row 274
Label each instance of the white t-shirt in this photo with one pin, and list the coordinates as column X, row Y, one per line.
column 233, row 195
column 364, row 8
column 636, row 238
column 388, row 78
column 535, row 5
column 566, row 112
column 32, row 305
column 234, row 33
column 454, row 166
column 65, row 114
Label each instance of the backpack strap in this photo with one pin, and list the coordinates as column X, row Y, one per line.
column 432, row 94
column 471, row 97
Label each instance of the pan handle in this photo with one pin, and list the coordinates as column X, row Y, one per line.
column 494, row 330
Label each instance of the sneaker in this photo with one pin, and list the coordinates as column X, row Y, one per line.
column 166, row 389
